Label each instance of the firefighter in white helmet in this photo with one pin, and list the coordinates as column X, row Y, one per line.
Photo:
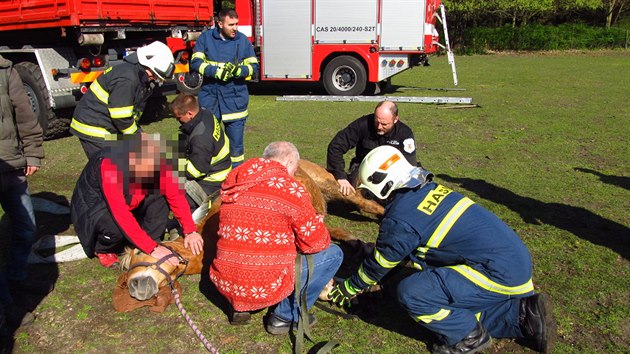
column 474, row 278
column 115, row 100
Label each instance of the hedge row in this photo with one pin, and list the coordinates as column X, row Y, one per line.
column 541, row 37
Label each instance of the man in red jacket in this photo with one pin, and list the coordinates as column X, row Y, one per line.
column 266, row 218
column 121, row 197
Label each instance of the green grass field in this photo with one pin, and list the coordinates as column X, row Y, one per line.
column 547, row 151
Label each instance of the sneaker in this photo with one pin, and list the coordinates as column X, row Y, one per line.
column 478, row 340
column 108, row 260
column 537, row 323
column 276, row 325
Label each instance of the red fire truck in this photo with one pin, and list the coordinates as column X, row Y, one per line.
column 60, row 46
column 348, row 45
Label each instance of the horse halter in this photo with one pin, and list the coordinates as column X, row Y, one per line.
column 156, row 265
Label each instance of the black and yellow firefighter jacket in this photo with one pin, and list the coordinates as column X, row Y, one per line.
column 114, row 102
column 207, row 151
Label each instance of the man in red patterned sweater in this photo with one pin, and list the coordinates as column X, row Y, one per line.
column 265, row 220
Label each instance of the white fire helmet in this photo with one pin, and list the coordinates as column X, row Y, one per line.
column 158, row 58
column 385, row 169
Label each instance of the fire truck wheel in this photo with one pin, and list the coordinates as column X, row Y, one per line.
column 344, row 76
column 36, row 91
column 189, row 82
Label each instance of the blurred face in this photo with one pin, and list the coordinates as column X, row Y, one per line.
column 228, row 27
column 145, row 163
column 384, row 120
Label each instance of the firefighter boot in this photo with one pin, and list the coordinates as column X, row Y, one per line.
column 478, row 340
column 537, row 323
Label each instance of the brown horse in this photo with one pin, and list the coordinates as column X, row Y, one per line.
column 144, row 279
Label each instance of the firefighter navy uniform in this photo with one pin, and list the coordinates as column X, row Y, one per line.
column 361, row 134
column 207, row 151
column 228, row 100
column 471, row 266
column 112, row 105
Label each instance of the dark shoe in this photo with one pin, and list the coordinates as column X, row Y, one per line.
column 276, row 325
column 108, row 260
column 537, row 323
column 239, row 318
column 478, row 340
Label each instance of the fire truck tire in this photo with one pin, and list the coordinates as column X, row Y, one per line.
column 191, row 84
column 344, row 76
column 37, row 93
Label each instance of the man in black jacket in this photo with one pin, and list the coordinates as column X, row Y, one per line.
column 206, row 148
column 383, row 127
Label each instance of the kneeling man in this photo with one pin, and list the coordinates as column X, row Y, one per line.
column 266, row 221
column 119, row 198
column 475, row 274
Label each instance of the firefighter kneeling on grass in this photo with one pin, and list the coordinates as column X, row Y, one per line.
column 475, row 274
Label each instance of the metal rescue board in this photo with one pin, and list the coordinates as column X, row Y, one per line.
column 346, row 21
column 406, row 99
column 402, row 24
column 286, row 32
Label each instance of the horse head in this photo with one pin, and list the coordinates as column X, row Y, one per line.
column 146, row 274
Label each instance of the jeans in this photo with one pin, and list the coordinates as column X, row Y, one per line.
column 325, row 264
column 16, row 246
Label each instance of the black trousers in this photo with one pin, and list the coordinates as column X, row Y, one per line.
column 151, row 214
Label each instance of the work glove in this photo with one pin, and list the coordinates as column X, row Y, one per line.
column 342, row 293
column 224, row 73
column 237, row 71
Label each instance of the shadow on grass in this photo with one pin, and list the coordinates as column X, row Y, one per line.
column 579, row 221
column 619, row 181
column 41, row 279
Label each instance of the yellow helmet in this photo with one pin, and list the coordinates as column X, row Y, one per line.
column 385, row 169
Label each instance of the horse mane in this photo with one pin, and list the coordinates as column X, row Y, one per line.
column 125, row 258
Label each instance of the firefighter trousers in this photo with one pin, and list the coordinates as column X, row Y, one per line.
column 450, row 305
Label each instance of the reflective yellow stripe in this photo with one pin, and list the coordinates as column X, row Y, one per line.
column 88, row 129
column 478, row 315
column 202, row 68
column 382, row 261
column 200, row 55
column 218, row 176
column 99, row 92
column 250, row 60
column 447, row 223
column 192, row 169
column 121, row 112
column 234, row 116
column 438, row 316
column 238, row 158
column 485, row 283
column 417, row 266
column 225, row 151
column 131, row 130
column 366, row 279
